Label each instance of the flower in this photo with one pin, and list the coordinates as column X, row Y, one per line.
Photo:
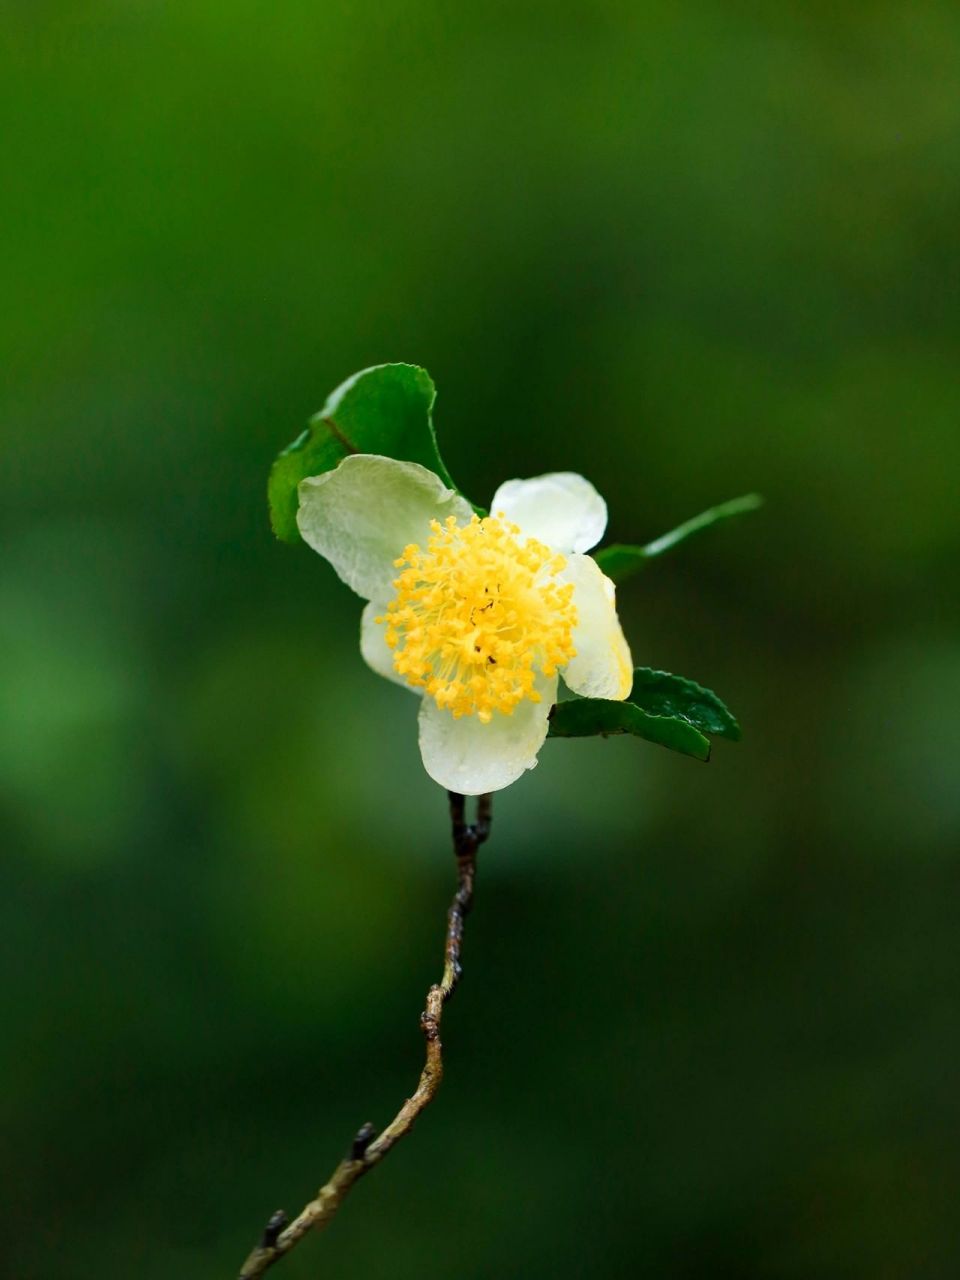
column 479, row 616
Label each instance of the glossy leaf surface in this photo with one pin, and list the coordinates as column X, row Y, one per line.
column 385, row 409
column 661, row 694
column 589, row 717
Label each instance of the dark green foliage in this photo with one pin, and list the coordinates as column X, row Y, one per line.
column 385, row 409
column 589, row 717
column 661, row 694
column 666, row 709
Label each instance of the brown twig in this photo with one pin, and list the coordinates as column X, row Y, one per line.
column 367, row 1149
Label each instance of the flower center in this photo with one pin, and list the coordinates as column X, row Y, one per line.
column 478, row 614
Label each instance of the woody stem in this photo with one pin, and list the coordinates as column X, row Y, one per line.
column 368, row 1148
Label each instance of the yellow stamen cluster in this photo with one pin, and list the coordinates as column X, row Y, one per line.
column 478, row 614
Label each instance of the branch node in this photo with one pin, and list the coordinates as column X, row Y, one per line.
column 364, row 1136
column 273, row 1228
column 429, row 1025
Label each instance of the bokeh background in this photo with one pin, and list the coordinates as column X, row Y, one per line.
column 709, row 1023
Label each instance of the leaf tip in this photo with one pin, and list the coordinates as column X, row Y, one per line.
column 751, row 501
column 296, row 445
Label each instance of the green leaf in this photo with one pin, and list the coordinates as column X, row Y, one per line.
column 666, row 709
column 661, row 694
column 619, row 561
column 586, row 717
column 385, row 409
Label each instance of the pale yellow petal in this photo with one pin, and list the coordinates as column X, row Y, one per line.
column 373, row 645
column 472, row 758
column 603, row 667
column 561, row 509
column 362, row 515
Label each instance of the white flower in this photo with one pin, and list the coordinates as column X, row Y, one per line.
column 479, row 617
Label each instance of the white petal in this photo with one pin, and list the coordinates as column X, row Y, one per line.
column 603, row 667
column 470, row 757
column 562, row 509
column 376, row 652
column 363, row 514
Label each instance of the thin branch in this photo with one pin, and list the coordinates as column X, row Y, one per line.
column 367, row 1149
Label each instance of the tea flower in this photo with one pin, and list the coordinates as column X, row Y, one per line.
column 479, row 617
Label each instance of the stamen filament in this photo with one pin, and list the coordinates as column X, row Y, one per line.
column 478, row 614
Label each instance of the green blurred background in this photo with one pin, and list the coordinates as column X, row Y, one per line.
column 709, row 1024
